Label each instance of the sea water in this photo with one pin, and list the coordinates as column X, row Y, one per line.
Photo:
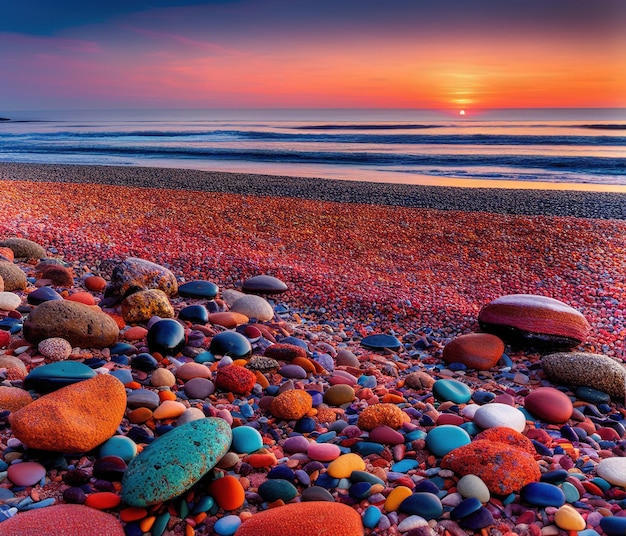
column 561, row 148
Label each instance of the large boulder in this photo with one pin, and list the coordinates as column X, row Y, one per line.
column 135, row 274
column 23, row 248
column 13, row 276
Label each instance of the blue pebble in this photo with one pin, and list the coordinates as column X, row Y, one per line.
column 452, row 390
column 601, row 483
column 569, row 433
column 542, row 494
column 360, row 490
column 160, row 524
column 371, row 517
column 457, row 366
column 305, row 425
column 205, row 357
column 427, row 486
column 364, row 476
column 480, row 519
column 445, row 438
column 246, row 440
column 554, row 477
column 283, row 472
column 325, row 438
column 121, row 359
column 570, row 492
column 303, row 477
column 613, row 526
column 133, row 529
column 404, row 466
column 465, row 508
column 483, row 397
column 203, row 505
column 278, row 488
column 247, row 410
column 227, row 525
column 588, row 532
column 326, row 481
column 414, row 436
column 123, row 375
column 426, row 505
column 471, row 428
column 540, row 448
column 5, row 494
column 317, row 397
column 367, row 381
column 365, row 448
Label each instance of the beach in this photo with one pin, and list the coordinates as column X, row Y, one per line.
column 417, row 263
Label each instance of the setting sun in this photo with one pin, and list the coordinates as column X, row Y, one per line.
column 461, row 112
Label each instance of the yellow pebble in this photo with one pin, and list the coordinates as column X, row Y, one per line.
column 343, row 466
column 567, row 518
column 395, row 498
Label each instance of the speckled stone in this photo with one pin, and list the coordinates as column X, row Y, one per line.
column 319, row 518
column 13, row 398
column 577, row 369
column 13, row 276
column 141, row 306
column 55, row 348
column 534, row 320
column 81, row 325
column 236, row 379
column 67, row 520
column 382, row 414
column 163, row 470
column 135, row 274
column 74, row 419
column 16, row 369
column 291, row 405
column 23, row 248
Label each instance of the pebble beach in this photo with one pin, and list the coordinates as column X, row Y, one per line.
column 196, row 353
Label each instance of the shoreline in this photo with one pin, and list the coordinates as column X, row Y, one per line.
column 524, row 201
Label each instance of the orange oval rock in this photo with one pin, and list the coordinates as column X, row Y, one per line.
column 227, row 492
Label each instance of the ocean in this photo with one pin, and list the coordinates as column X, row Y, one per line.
column 560, row 148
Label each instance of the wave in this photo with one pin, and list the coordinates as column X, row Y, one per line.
column 366, row 127
column 609, row 126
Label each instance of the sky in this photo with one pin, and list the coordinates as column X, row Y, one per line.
column 424, row 54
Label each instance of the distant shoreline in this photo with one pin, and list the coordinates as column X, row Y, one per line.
column 567, row 203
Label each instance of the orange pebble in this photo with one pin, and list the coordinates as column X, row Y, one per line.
column 189, row 530
column 227, row 492
column 133, row 385
column 392, row 399
column 303, row 362
column 82, row 297
column 103, row 500
column 140, row 415
column 261, row 460
column 166, row 394
column 146, row 523
column 199, row 518
column 132, row 513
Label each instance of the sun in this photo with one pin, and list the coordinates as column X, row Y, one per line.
column 461, row 112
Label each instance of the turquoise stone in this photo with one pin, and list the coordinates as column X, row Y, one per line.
column 175, row 461
column 542, row 494
column 371, row 517
column 364, row 476
column 414, row 436
column 592, row 395
column 404, row 466
column 205, row 357
column 442, row 439
column 246, row 439
column 160, row 524
column 380, row 341
column 198, row 289
column 601, row 483
column 570, row 492
column 121, row 446
column 277, row 488
column 48, row 378
column 365, row 448
column 471, row 428
column 426, row 505
column 453, row 391
column 613, row 526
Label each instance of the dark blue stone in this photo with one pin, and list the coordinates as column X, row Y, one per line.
column 465, row 508
column 94, row 362
column 553, row 477
column 427, row 486
column 365, row 448
column 144, row 362
column 120, row 359
column 427, row 505
column 48, row 378
column 569, row 433
column 295, row 341
column 163, row 429
column 360, row 490
column 482, row 397
column 305, row 425
column 8, row 323
column 457, row 366
column 198, row 289
column 122, row 348
column 167, row 337
column 326, row 481
column 594, row 396
column 542, row 494
column 478, row 520
column 283, row 472
column 613, row 525
column 380, row 341
column 43, row 294
column 196, row 314
column 541, row 448
column 230, row 343
column 317, row 397
column 139, row 435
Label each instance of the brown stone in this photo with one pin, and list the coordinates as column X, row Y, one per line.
column 253, row 306
column 23, row 248
column 135, row 274
column 82, row 325
column 143, row 305
column 479, row 351
column 264, row 284
column 532, row 320
column 59, row 275
column 12, row 276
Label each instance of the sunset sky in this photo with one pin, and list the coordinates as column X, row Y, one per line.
column 442, row 54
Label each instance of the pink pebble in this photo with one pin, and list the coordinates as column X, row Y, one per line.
column 323, row 452
column 26, row 473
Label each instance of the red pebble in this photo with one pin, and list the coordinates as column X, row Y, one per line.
column 5, row 337
column 103, row 500
column 95, row 283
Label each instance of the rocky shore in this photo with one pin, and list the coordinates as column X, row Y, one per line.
column 263, row 355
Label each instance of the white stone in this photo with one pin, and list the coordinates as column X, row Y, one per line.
column 9, row 301
column 412, row 522
column 495, row 414
column 253, row 306
column 230, row 296
column 613, row 470
column 473, row 486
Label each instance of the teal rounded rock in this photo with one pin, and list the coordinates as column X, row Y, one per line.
column 175, row 461
column 120, row 446
column 48, row 378
column 452, row 391
column 246, row 439
column 381, row 341
column 371, row 517
column 276, row 488
column 445, row 438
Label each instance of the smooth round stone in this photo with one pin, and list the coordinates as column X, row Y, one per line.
column 232, row 344
column 495, row 414
column 292, row 371
column 277, row 488
column 426, row 505
column 162, row 377
column 339, row 394
column 296, row 444
column 190, row 414
column 43, row 294
column 199, row 388
column 169, row 409
column 163, row 470
column 480, row 519
column 144, row 362
column 371, row 517
column 613, row 470
column 120, row 446
column 343, row 466
column 26, row 473
column 48, row 378
column 568, row 518
column 246, row 439
column 404, row 466
column 386, row 435
column 264, row 284
column 109, row 468
column 143, row 398
column 253, row 306
column 442, row 439
column 360, row 490
column 381, row 341
column 542, row 494
column 473, row 486
column 323, row 452
column 227, row 525
column 198, row 289
column 479, row 351
column 452, row 391
column 465, row 508
column 316, row 493
column 9, row 301
column 592, row 395
column 549, row 404
column 167, row 337
column 613, row 525
column 190, row 370
column 196, row 314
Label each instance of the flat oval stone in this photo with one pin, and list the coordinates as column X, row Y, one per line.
column 199, row 388
column 232, row 344
column 534, row 320
column 323, row 452
column 26, row 473
column 549, row 404
column 163, row 470
column 48, row 378
column 426, row 505
column 196, row 314
column 465, row 508
column 343, row 466
column 339, row 394
column 9, row 301
column 316, row 493
column 386, row 435
column 452, row 390
column 74, row 419
column 198, row 289
column 43, row 294
column 228, row 319
column 143, row 398
column 380, row 341
column 472, row 486
column 568, row 518
column 253, row 306
column 246, row 439
column 264, row 284
column 121, row 446
column 479, row 351
column 442, row 439
column 542, row 494
column 495, row 414
column 166, row 336
column 613, row 525
column 13, row 277
column 55, row 348
column 277, row 488
column 613, row 470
